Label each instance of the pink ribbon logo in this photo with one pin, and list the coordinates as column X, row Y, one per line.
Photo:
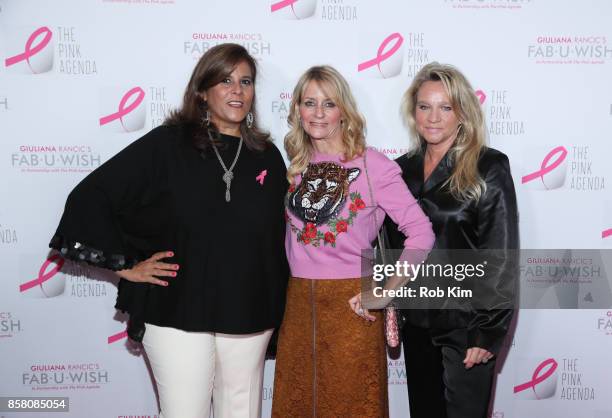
column 538, row 378
column 305, row 8
column 381, row 55
column 481, row 96
column 30, row 48
column 260, row 178
column 116, row 337
column 42, row 275
column 545, row 168
column 282, row 4
column 606, row 233
column 124, row 108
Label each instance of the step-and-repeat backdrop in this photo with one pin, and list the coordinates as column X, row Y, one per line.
column 80, row 80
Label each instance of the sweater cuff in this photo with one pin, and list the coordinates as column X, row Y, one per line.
column 77, row 251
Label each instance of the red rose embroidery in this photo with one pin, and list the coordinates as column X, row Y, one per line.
column 359, row 203
column 305, row 239
column 311, row 230
column 353, row 207
column 341, row 226
column 292, row 188
column 330, row 237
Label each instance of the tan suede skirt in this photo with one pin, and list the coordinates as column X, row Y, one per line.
column 330, row 363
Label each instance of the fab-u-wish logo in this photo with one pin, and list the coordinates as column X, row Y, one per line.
column 122, row 109
column 396, row 372
column 604, row 323
column 62, row 377
column 536, row 379
column 10, row 325
column 487, row 4
column 48, row 283
column 550, row 173
column 293, row 9
column 30, row 51
column 386, row 61
column 568, row 49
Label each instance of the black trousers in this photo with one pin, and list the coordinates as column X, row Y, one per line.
column 439, row 385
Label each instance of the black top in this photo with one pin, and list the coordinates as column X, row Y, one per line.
column 490, row 223
column 161, row 194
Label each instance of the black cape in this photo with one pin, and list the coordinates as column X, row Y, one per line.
column 161, row 194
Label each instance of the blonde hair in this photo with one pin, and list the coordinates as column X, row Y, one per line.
column 297, row 142
column 465, row 182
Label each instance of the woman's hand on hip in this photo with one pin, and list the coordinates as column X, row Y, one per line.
column 148, row 270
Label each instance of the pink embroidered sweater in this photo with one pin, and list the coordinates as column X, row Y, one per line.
column 331, row 217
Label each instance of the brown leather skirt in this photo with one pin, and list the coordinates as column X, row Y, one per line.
column 330, row 363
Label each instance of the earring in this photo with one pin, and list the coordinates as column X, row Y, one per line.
column 249, row 120
column 206, row 119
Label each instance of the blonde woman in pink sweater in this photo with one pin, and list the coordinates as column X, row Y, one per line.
column 331, row 358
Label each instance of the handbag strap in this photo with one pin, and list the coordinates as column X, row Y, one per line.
column 371, row 191
column 365, row 168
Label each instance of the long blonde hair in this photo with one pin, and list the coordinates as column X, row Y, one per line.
column 297, row 142
column 465, row 182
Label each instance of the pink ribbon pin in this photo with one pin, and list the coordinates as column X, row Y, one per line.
column 481, row 96
column 545, row 168
column 606, row 233
column 282, row 4
column 260, row 178
column 30, row 50
column 42, row 276
column 116, row 337
column 380, row 54
column 538, row 378
column 123, row 109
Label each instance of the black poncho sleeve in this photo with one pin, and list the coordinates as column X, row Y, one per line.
column 92, row 226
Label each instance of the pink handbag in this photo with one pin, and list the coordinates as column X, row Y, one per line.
column 391, row 327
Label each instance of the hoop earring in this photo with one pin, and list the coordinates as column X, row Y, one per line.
column 249, row 120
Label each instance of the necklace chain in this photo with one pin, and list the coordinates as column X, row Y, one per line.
column 228, row 174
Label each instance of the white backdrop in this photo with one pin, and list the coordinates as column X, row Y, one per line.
column 81, row 79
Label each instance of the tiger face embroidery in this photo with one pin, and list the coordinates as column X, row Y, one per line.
column 322, row 193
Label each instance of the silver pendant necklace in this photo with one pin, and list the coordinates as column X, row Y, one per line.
column 228, row 174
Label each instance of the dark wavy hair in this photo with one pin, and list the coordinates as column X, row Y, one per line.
column 214, row 66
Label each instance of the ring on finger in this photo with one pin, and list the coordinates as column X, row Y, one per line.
column 360, row 311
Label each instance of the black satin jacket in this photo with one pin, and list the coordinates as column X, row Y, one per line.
column 490, row 223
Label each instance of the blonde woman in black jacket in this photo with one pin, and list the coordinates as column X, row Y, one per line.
column 466, row 190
